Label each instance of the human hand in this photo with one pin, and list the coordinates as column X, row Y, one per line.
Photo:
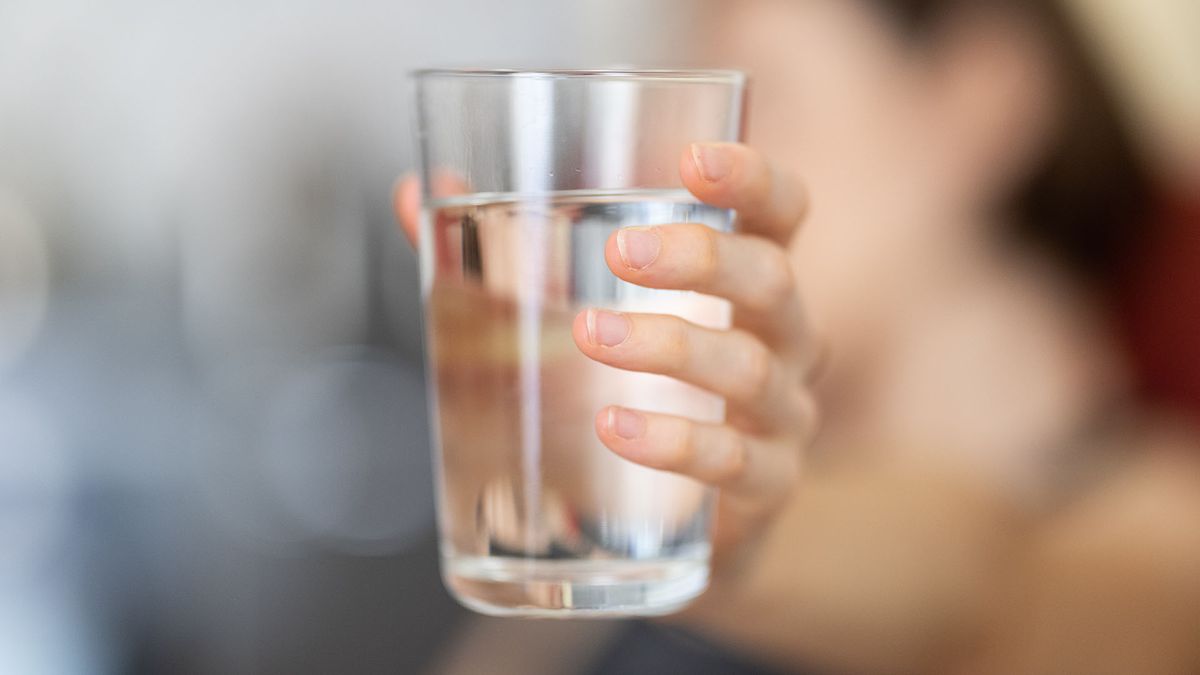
column 761, row 366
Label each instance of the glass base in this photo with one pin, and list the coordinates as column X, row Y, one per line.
column 574, row 589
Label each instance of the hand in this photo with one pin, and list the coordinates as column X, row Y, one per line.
column 761, row 366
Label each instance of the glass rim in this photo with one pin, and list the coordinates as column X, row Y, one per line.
column 702, row 75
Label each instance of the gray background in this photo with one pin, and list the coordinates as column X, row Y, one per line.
column 213, row 445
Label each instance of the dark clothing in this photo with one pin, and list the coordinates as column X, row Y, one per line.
column 646, row 648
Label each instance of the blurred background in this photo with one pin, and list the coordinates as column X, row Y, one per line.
column 213, row 444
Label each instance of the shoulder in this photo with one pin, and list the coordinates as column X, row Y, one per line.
column 1110, row 583
column 1139, row 515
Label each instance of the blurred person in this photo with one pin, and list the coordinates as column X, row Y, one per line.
column 987, row 493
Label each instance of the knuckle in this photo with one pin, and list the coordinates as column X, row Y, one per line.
column 757, row 370
column 777, row 285
column 795, row 195
column 757, row 179
column 685, row 446
column 808, row 416
column 676, row 346
column 790, row 475
column 736, row 457
column 707, row 263
column 679, row 450
column 757, row 195
column 785, row 478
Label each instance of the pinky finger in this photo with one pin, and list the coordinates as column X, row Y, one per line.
column 715, row 454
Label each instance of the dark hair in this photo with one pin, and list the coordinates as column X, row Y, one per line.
column 1088, row 202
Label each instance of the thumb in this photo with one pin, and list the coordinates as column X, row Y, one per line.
column 406, row 202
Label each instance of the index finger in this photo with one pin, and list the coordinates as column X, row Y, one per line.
column 769, row 202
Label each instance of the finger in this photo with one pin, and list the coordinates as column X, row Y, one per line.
column 733, row 364
column 716, row 454
column 753, row 273
column 406, row 200
column 733, row 176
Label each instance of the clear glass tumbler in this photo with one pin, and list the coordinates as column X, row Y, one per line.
column 526, row 174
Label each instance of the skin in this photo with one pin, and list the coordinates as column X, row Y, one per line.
column 982, row 497
column 759, row 367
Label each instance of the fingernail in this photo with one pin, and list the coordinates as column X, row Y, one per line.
column 626, row 423
column 714, row 162
column 638, row 246
column 606, row 329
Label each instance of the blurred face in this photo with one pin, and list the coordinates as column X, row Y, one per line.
column 835, row 92
column 895, row 143
column 942, row 339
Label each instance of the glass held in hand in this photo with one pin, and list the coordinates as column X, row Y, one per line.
column 526, row 176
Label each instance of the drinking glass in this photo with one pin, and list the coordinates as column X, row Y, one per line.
column 526, row 175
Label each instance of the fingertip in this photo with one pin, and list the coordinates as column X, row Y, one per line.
column 768, row 200
column 447, row 183
column 622, row 432
column 604, row 423
column 712, row 171
column 606, row 429
column 612, row 255
column 688, row 171
column 580, row 331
